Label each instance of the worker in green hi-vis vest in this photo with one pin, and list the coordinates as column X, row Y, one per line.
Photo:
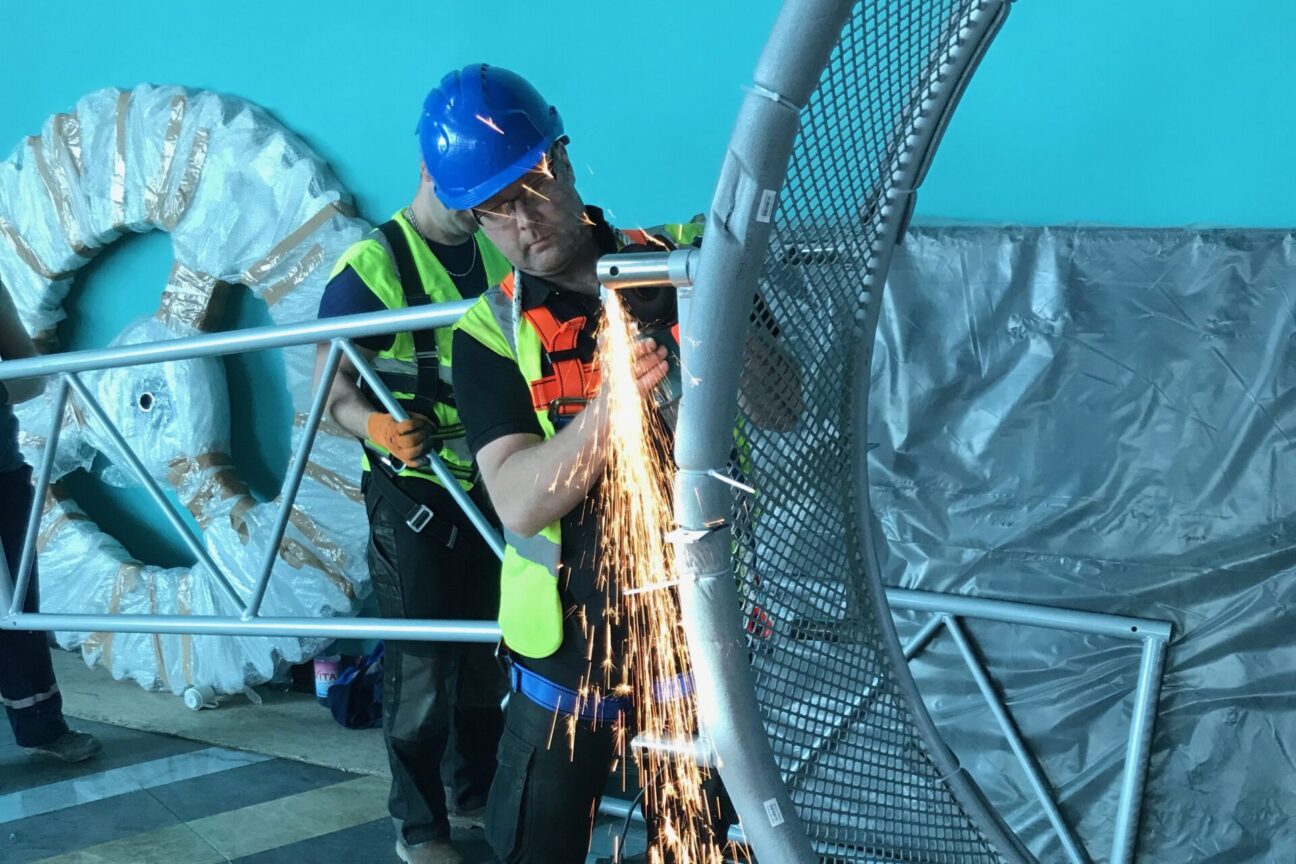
column 441, row 701
column 532, row 409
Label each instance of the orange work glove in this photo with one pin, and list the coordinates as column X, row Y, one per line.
column 407, row 440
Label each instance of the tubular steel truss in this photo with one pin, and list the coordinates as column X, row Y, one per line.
column 946, row 610
column 65, row 369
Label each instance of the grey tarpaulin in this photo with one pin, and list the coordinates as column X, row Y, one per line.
column 1103, row 419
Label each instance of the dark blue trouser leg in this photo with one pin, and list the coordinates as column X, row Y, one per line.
column 27, row 686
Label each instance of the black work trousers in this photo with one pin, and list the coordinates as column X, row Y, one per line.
column 27, row 687
column 547, row 788
column 441, row 700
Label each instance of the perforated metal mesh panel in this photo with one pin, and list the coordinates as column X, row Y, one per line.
column 836, row 708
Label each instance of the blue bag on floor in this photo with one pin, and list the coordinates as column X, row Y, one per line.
column 355, row 698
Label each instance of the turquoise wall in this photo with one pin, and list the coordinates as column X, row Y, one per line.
column 1129, row 112
column 648, row 98
column 1148, row 112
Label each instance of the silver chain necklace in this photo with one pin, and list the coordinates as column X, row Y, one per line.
column 409, row 216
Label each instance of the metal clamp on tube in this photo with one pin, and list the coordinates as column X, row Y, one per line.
column 644, row 269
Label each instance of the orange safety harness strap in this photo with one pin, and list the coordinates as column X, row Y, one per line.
column 571, row 382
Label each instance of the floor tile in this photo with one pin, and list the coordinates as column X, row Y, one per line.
column 288, row 725
column 120, row 781
column 78, row 827
column 272, row 824
column 21, row 769
column 370, row 843
column 243, row 786
column 172, row 845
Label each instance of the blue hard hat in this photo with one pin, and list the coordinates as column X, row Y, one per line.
column 482, row 128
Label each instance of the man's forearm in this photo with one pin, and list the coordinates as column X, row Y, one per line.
column 347, row 406
column 533, row 482
column 541, row 482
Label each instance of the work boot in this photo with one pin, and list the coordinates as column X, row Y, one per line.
column 474, row 818
column 471, row 815
column 431, row 852
column 71, row 746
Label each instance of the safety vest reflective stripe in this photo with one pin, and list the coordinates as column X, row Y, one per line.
column 539, row 549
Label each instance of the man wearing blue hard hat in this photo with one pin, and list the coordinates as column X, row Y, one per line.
column 426, row 560
column 529, row 397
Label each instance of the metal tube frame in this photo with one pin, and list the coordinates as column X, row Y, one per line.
column 1154, row 636
column 238, row 341
column 18, row 601
column 1025, row 758
column 393, row 406
column 1138, row 750
column 339, row 331
column 948, row 609
column 91, row 404
column 405, row 629
column 292, row 483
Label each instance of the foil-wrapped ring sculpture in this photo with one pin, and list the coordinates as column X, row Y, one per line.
column 245, row 201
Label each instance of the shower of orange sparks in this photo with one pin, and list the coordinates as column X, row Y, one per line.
column 490, row 123
column 636, row 568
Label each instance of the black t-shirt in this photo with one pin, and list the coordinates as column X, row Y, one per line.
column 494, row 400
column 347, row 294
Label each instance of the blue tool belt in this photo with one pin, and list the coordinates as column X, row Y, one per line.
column 672, row 689
column 567, row 702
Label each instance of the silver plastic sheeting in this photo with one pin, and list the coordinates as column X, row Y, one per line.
column 245, row 202
column 1103, row 419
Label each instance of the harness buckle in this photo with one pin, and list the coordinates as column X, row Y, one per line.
column 419, row 519
column 557, row 416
